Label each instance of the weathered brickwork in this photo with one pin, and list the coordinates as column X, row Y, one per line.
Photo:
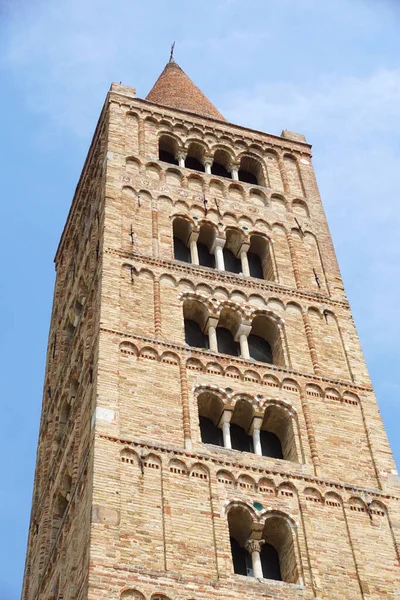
column 129, row 501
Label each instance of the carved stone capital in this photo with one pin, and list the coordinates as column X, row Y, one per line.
column 254, row 545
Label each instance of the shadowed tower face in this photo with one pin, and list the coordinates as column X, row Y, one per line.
column 209, row 428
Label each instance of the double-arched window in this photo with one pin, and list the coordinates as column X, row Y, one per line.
column 269, row 554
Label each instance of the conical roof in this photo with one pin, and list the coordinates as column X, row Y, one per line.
column 174, row 88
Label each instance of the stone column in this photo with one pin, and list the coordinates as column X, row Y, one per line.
column 194, row 255
column 244, row 248
column 207, row 165
column 216, row 249
column 241, row 337
column 181, row 158
column 255, row 432
column 234, row 169
column 210, row 328
column 224, row 423
column 253, row 547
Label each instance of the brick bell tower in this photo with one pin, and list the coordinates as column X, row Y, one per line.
column 209, row 429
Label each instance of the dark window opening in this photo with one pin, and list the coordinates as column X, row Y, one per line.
column 241, row 559
column 167, row 157
column 210, row 433
column 247, row 177
column 193, row 163
column 255, row 265
column 206, row 259
column 194, row 336
column 220, row 170
column 260, row 349
column 226, row 343
column 270, row 444
column 181, row 251
column 270, row 562
column 240, row 439
column 232, row 263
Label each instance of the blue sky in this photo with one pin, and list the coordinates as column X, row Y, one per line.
column 330, row 70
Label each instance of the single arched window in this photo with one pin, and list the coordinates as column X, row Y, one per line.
column 195, row 157
column 226, row 342
column 232, row 263
column 240, row 439
column 204, row 245
column 255, row 265
column 260, row 349
column 278, row 557
column 240, row 524
column 259, row 258
column 168, row 150
column 194, row 335
column 210, row 433
column 181, row 251
column 250, row 171
column 270, row 562
column 181, row 232
column 206, row 259
column 270, row 444
column 220, row 164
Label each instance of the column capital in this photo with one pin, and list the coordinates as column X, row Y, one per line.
column 254, row 545
column 211, row 322
column 193, row 236
column 219, row 242
column 243, row 329
column 243, row 248
column 225, row 417
column 255, row 424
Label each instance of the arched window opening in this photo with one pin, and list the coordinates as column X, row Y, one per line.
column 259, row 349
column 194, row 336
column 210, row 434
column 239, row 426
column 270, row 562
column 195, row 158
column 241, row 559
column 228, row 324
column 239, row 522
column 232, row 246
column 195, row 316
column 181, row 233
column 270, row 444
column 168, row 150
column 277, row 434
column 226, row 342
column 259, row 257
column 278, row 534
column 265, row 342
column 232, row 263
column 204, row 245
column 210, row 411
column 240, row 439
column 250, row 171
column 221, row 164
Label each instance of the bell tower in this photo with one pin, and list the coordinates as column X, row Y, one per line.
column 209, row 428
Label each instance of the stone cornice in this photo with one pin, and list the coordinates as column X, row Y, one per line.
column 223, row 277
column 235, row 464
column 186, row 352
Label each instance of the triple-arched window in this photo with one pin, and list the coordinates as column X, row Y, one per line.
column 271, row 433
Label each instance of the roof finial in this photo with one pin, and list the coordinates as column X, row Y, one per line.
column 171, row 56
